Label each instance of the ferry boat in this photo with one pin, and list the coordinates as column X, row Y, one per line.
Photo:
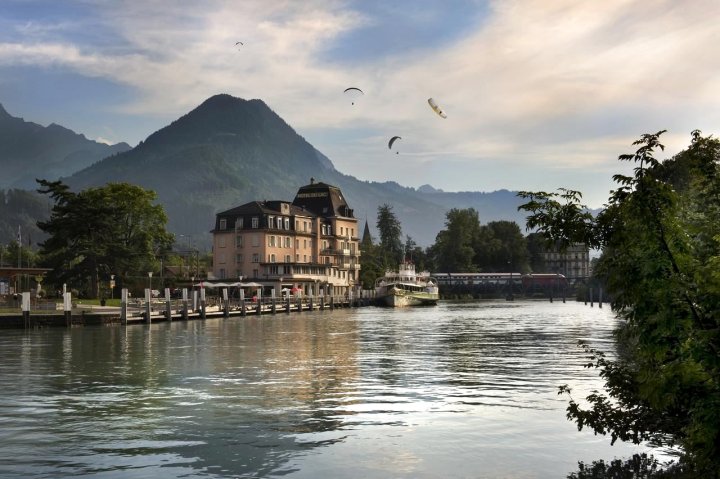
column 405, row 287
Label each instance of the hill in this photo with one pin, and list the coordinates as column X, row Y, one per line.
column 29, row 151
column 229, row 151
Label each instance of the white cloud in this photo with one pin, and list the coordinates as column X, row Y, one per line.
column 539, row 86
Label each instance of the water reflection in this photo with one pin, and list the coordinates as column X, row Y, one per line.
column 270, row 396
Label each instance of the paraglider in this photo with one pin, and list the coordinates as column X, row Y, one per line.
column 393, row 140
column 436, row 108
column 354, row 91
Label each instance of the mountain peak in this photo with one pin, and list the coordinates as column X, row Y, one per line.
column 4, row 113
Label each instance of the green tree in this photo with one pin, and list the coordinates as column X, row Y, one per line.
column 114, row 229
column 390, row 236
column 536, row 246
column 454, row 248
column 660, row 238
column 501, row 246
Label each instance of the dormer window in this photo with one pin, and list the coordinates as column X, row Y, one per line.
column 223, row 224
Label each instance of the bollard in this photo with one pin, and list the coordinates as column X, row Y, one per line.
column 185, row 303
column 226, row 302
column 273, row 305
column 600, row 298
column 591, row 298
column 242, row 302
column 26, row 309
column 202, row 302
column 311, row 307
column 287, row 304
column 123, row 306
column 168, row 305
column 148, row 308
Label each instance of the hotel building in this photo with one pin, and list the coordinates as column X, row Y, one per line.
column 310, row 243
column 573, row 262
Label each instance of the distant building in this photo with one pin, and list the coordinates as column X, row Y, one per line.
column 310, row 244
column 573, row 263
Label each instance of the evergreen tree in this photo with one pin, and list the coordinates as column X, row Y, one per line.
column 114, row 229
column 390, row 236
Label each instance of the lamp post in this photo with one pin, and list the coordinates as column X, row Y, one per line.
column 150, row 281
column 112, row 285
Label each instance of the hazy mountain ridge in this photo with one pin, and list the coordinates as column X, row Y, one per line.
column 229, row 151
column 29, row 151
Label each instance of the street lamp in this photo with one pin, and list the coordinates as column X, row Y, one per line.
column 150, row 281
column 112, row 285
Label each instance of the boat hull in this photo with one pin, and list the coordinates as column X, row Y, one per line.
column 398, row 298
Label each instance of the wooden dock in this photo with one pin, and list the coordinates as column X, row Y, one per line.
column 161, row 310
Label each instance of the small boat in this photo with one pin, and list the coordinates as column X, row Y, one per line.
column 405, row 287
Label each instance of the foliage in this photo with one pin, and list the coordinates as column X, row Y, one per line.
column 639, row 466
column 466, row 246
column 536, row 245
column 454, row 246
column 15, row 254
column 661, row 250
column 114, row 229
column 390, row 231
column 501, row 246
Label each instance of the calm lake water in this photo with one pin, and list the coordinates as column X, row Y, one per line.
column 458, row 390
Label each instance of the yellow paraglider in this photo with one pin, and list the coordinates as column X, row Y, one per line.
column 436, row 108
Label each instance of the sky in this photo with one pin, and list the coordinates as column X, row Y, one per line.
column 539, row 94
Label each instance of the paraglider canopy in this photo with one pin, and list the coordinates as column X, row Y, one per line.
column 436, row 108
column 353, row 91
column 393, row 140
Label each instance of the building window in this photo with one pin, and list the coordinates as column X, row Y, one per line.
column 304, row 258
column 271, row 240
column 287, row 223
column 342, row 231
column 222, row 273
column 255, row 240
column 255, row 258
column 271, row 222
column 272, row 258
column 239, row 223
column 329, row 228
column 255, row 222
column 322, row 229
column 221, row 258
column 223, row 224
column 238, row 241
column 304, row 225
column 287, row 258
column 287, row 242
column 297, row 258
column 239, row 258
column 221, row 241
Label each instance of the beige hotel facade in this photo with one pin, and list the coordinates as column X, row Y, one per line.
column 310, row 244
